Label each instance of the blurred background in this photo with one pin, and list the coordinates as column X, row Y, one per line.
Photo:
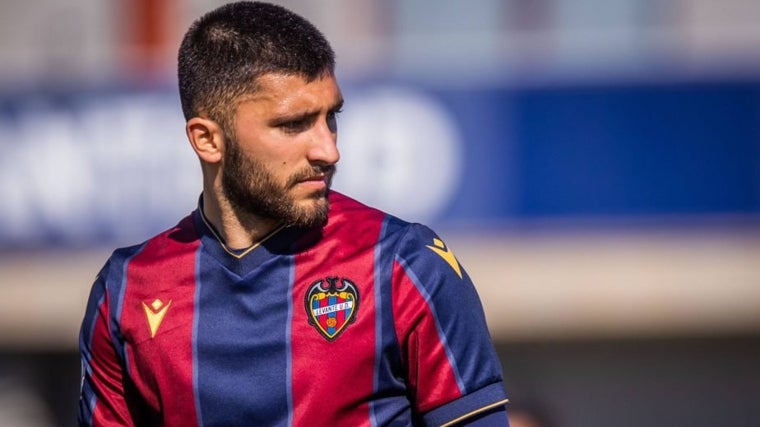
column 595, row 165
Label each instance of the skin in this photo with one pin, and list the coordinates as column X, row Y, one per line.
column 285, row 135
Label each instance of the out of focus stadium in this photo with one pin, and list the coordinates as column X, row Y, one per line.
column 594, row 164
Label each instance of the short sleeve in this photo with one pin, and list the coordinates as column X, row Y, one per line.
column 105, row 396
column 453, row 370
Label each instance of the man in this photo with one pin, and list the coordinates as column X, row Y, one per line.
column 278, row 301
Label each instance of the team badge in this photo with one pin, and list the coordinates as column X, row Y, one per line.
column 331, row 305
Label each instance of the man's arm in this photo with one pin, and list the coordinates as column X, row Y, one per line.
column 453, row 371
column 103, row 399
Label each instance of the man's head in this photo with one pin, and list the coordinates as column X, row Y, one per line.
column 259, row 95
column 225, row 51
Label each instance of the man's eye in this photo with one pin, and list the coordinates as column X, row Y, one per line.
column 333, row 114
column 332, row 120
column 294, row 126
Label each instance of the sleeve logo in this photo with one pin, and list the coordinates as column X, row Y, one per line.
column 330, row 306
column 440, row 248
column 155, row 313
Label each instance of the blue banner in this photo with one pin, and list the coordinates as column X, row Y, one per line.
column 114, row 166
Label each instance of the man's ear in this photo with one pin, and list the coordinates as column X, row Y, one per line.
column 207, row 139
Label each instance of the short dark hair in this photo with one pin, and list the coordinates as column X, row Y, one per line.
column 225, row 51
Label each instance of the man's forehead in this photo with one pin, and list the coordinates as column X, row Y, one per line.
column 282, row 88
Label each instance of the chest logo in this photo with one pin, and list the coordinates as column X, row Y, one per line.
column 155, row 313
column 331, row 305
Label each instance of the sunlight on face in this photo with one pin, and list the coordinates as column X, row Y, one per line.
column 281, row 161
column 252, row 188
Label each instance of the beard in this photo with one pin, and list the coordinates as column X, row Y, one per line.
column 252, row 189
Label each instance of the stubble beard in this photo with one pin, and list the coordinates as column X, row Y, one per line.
column 252, row 189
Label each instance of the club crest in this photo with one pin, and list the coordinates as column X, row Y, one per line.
column 331, row 305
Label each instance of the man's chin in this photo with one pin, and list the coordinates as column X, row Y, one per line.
column 312, row 212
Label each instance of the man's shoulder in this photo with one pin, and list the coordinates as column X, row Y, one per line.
column 341, row 204
column 170, row 240
column 350, row 214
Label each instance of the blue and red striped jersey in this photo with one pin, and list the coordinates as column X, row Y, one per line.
column 368, row 320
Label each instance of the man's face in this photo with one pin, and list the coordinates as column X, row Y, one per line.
column 281, row 160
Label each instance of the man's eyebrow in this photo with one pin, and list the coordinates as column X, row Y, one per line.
column 298, row 117
column 303, row 116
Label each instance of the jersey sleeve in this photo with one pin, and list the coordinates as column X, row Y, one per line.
column 453, row 371
column 105, row 398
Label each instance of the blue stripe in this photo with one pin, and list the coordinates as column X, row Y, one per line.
column 114, row 269
column 88, row 331
column 379, row 279
column 122, row 349
column 441, row 336
column 288, row 342
column 91, row 405
column 196, row 315
column 242, row 343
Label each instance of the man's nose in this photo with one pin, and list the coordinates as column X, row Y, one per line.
column 324, row 145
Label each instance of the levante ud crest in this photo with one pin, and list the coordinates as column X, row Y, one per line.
column 331, row 305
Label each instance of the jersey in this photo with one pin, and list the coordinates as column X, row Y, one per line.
column 368, row 320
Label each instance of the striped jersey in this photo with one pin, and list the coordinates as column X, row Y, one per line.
column 368, row 320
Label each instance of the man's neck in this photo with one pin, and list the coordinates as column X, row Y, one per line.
column 238, row 230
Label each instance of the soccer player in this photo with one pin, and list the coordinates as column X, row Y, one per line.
column 278, row 301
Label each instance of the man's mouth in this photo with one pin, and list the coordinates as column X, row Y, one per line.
column 317, row 178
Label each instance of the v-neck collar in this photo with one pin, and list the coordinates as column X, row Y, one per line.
column 281, row 241
column 236, row 253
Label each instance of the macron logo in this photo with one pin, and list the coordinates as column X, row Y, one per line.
column 155, row 314
column 440, row 248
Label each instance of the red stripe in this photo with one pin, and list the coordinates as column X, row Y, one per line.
column 162, row 366
column 431, row 376
column 332, row 381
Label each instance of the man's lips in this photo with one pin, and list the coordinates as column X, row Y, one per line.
column 317, row 177
column 317, row 181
